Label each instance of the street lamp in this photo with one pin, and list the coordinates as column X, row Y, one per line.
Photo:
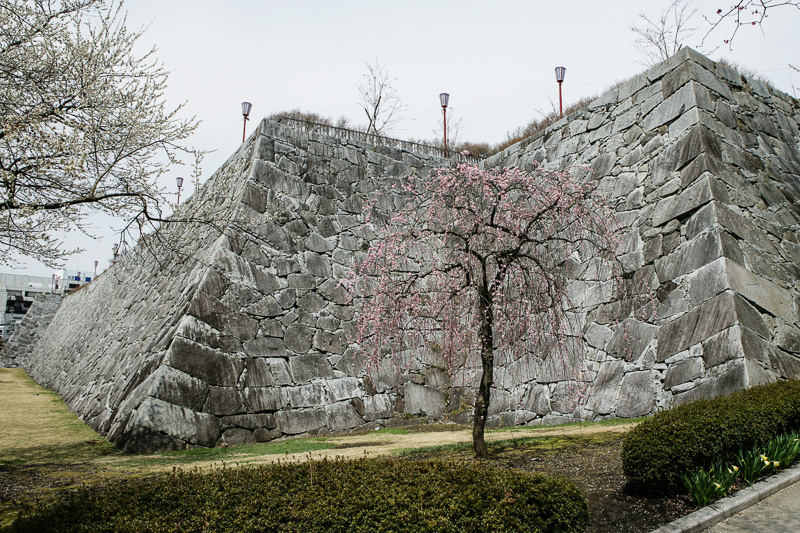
column 246, row 107
column 444, row 98
column 95, row 269
column 560, row 71
column 179, row 181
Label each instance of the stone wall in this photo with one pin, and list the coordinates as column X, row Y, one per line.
column 237, row 329
column 26, row 335
column 703, row 165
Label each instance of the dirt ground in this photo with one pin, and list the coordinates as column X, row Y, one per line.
column 45, row 449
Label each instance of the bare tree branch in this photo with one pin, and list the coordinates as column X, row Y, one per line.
column 379, row 100
column 742, row 14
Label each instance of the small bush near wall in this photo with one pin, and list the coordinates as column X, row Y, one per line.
column 657, row 452
column 323, row 496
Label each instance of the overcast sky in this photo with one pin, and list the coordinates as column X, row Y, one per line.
column 495, row 58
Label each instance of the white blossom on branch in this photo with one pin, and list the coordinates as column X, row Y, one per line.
column 84, row 126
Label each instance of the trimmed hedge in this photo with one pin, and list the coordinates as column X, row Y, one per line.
column 659, row 450
column 366, row 495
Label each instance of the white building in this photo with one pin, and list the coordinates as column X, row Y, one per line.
column 17, row 293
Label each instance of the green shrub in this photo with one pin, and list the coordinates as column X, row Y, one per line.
column 657, row 452
column 336, row 496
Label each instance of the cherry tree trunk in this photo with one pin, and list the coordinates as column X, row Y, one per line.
column 487, row 375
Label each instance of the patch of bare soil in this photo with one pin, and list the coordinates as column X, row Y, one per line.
column 45, row 450
column 592, row 463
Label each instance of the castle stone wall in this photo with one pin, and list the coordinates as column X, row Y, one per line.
column 236, row 329
column 26, row 335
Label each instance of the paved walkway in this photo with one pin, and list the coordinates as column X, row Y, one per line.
column 780, row 512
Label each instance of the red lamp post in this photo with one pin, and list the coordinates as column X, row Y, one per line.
column 444, row 98
column 179, row 181
column 246, row 107
column 560, row 71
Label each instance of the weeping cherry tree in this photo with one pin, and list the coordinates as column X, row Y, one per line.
column 474, row 265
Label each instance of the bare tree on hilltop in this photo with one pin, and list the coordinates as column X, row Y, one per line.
column 82, row 120
column 658, row 38
column 379, row 100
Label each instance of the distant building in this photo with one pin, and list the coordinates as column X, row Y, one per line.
column 17, row 293
column 71, row 279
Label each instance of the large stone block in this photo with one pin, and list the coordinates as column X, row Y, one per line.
column 422, row 400
column 788, row 337
column 222, row 318
column 325, row 341
column 178, row 388
column 265, row 347
column 211, row 366
column 178, row 422
column 224, row 401
column 248, row 421
column 260, row 399
column 272, row 178
column 565, row 396
column 630, row 339
column 298, row 338
column 683, row 372
column 537, row 399
column 499, row 403
column 723, row 347
column 311, row 395
column 342, row 416
column 603, row 394
column 724, row 274
column 692, row 197
column 239, row 270
column 268, row 306
column 717, row 213
column 378, row 406
column 344, row 388
column 737, row 376
column 696, row 253
column 305, row 368
column 701, row 323
column 690, row 95
column 237, row 437
column 296, row 422
column 691, row 71
column 637, row 395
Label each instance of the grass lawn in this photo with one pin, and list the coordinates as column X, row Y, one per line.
column 47, row 450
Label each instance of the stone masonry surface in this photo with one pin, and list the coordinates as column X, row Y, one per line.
column 238, row 330
column 27, row 333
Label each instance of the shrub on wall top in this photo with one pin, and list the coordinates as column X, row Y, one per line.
column 658, row 451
